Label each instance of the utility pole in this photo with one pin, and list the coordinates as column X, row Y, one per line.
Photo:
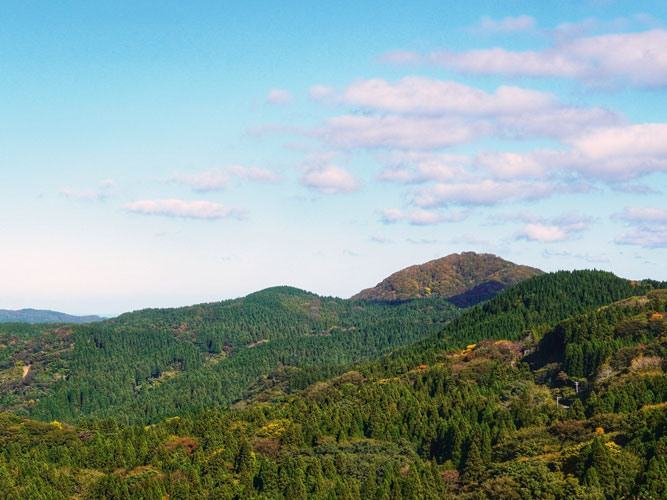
column 576, row 385
column 557, row 399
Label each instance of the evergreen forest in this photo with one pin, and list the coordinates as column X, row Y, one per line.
column 555, row 388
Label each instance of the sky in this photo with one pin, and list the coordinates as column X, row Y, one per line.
column 157, row 154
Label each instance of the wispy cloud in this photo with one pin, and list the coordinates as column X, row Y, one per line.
column 279, row 96
column 420, row 167
column 254, row 174
column 319, row 92
column 104, row 190
column 401, row 132
column 416, row 95
column 556, row 229
column 487, row 192
column 648, row 227
column 184, row 209
column 377, row 238
column 593, row 259
column 420, row 217
column 417, row 113
column 506, row 25
column 330, row 179
column 421, row 241
column 633, row 58
column 215, row 179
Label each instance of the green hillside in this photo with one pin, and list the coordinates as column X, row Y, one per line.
column 556, row 388
column 154, row 363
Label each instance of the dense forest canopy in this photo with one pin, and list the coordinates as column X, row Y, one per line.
column 555, row 388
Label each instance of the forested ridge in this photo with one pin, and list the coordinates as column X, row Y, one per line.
column 155, row 363
column 555, row 388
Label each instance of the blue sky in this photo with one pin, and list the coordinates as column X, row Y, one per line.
column 169, row 153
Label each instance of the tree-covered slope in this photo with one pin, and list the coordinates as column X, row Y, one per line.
column 497, row 419
column 149, row 364
column 466, row 279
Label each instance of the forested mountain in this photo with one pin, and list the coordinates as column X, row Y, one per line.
column 154, row 363
column 556, row 388
column 43, row 316
column 466, row 279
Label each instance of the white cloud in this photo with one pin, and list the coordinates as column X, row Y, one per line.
column 561, row 123
column 185, row 209
column 400, row 132
column 655, row 237
column 330, row 179
column 557, row 229
column 634, row 58
column 542, row 233
column 426, row 96
column 419, row 167
column 425, row 114
column 608, row 154
column 499, row 60
column 510, row 165
column 318, row 92
column 637, row 214
column 210, row 180
column 428, row 217
column 572, row 222
column 279, row 96
column 391, row 215
column 420, row 217
column 215, row 179
column 255, row 174
column 647, row 139
column 508, row 24
column 484, row 192
column 648, row 227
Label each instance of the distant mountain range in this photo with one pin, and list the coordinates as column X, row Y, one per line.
column 43, row 316
column 465, row 279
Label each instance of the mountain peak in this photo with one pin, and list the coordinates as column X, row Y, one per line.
column 465, row 278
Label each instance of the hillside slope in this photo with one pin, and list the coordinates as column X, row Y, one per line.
column 148, row 364
column 466, row 279
column 532, row 417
